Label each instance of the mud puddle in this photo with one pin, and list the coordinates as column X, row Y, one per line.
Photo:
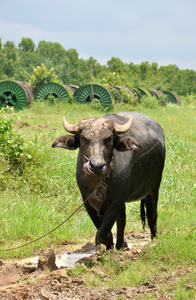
column 65, row 260
column 67, row 257
column 73, row 253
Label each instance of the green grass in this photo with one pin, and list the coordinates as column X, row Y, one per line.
column 46, row 193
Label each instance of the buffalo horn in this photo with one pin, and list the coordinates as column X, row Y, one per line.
column 122, row 128
column 71, row 128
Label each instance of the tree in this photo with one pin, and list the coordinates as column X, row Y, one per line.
column 98, row 71
column 144, row 70
column 72, row 55
column 26, row 45
column 53, row 53
column 154, row 67
column 1, row 59
column 69, row 68
column 25, row 64
column 167, row 74
column 83, row 72
column 115, row 65
column 184, row 82
column 8, row 58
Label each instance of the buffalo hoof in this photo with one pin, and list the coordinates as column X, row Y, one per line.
column 107, row 241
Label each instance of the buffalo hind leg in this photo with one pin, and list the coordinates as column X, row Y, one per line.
column 121, row 222
column 143, row 213
column 151, row 202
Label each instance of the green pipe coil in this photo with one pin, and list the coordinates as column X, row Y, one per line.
column 74, row 87
column 116, row 94
column 137, row 94
column 15, row 93
column 56, row 90
column 124, row 91
column 172, row 97
column 155, row 93
column 100, row 92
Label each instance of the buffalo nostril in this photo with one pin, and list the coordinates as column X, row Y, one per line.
column 97, row 166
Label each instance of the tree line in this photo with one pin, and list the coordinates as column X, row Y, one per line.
column 17, row 63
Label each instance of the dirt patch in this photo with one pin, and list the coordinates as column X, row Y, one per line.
column 19, row 124
column 45, row 281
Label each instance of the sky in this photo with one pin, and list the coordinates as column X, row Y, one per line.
column 161, row 31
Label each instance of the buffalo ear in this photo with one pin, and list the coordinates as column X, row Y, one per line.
column 126, row 143
column 70, row 142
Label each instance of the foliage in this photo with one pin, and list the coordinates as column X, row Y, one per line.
column 112, row 79
column 127, row 96
column 15, row 150
column 26, row 45
column 150, row 102
column 52, row 52
column 119, row 82
column 41, row 76
column 27, row 60
column 189, row 100
column 8, row 58
column 97, row 105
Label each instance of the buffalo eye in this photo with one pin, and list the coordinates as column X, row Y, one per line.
column 109, row 140
column 83, row 139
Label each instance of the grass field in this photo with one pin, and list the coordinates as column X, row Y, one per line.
column 39, row 194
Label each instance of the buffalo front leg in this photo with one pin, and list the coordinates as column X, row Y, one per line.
column 97, row 221
column 104, row 235
column 93, row 215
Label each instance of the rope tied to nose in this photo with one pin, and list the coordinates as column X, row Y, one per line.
column 84, row 156
column 108, row 163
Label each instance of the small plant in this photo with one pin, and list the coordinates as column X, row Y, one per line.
column 97, row 105
column 150, row 102
column 112, row 79
column 128, row 97
column 189, row 100
column 79, row 270
column 52, row 99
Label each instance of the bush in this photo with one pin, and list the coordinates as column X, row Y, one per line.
column 189, row 100
column 15, row 150
column 150, row 102
column 41, row 76
column 128, row 97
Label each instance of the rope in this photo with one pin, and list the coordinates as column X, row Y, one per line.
column 84, row 156
column 39, row 238
column 145, row 153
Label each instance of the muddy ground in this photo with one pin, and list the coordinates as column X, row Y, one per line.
column 44, row 280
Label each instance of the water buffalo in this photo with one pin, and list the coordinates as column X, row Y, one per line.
column 121, row 159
